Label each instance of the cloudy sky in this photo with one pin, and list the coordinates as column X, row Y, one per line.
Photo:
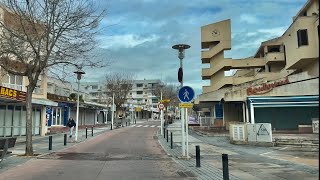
column 137, row 35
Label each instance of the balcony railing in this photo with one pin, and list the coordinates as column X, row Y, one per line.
column 38, row 90
column 273, row 57
column 13, row 86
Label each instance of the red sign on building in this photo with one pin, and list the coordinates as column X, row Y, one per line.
column 12, row 94
column 266, row 87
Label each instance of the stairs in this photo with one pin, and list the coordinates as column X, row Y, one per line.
column 296, row 142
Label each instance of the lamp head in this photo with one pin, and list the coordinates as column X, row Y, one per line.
column 181, row 48
column 79, row 72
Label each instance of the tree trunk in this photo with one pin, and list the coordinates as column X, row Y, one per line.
column 29, row 148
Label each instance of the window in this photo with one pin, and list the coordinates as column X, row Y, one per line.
column 94, row 87
column 302, row 37
column 139, row 92
column 145, row 100
column 139, row 85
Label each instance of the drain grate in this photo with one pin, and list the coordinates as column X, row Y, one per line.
column 186, row 174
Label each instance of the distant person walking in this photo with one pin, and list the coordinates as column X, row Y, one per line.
column 71, row 125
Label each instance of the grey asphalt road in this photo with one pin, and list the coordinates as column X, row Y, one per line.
column 124, row 153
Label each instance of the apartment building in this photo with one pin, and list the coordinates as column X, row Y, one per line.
column 140, row 100
column 51, row 106
column 142, row 97
column 279, row 84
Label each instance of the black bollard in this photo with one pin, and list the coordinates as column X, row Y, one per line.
column 91, row 130
column 111, row 127
column 225, row 167
column 126, row 123
column 86, row 132
column 167, row 135
column 171, row 138
column 65, row 139
column 50, row 142
column 164, row 133
column 197, row 156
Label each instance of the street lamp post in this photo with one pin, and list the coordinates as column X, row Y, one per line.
column 181, row 48
column 112, row 112
column 79, row 72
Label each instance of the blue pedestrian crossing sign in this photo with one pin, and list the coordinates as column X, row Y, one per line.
column 186, row 94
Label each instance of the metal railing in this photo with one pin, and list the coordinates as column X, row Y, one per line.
column 13, row 86
column 38, row 90
column 206, row 121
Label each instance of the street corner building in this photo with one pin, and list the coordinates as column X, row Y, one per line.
column 279, row 84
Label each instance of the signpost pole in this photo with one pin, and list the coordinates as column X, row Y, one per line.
column 187, row 138
column 112, row 115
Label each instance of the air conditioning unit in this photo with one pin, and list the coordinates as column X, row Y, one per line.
column 238, row 132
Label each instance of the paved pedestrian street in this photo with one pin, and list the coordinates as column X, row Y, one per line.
column 122, row 153
column 138, row 151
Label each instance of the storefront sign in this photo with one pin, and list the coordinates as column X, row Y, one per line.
column 12, row 94
column 138, row 109
column 266, row 87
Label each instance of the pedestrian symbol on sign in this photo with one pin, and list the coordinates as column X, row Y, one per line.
column 186, row 94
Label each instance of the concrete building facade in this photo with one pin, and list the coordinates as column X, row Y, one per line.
column 279, row 84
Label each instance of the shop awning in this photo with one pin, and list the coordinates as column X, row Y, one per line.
column 42, row 101
column 95, row 104
column 284, row 101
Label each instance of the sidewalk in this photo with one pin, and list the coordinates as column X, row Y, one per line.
column 245, row 162
column 41, row 146
column 206, row 171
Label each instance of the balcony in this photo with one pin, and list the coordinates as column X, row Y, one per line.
column 38, row 91
column 13, row 86
column 274, row 57
column 206, row 73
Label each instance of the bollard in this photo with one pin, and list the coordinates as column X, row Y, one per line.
column 225, row 167
column 167, row 135
column 86, row 132
column 65, row 139
column 111, row 127
column 164, row 133
column 197, row 156
column 126, row 123
column 50, row 142
column 171, row 138
column 91, row 130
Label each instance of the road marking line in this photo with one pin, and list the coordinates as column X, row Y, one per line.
column 158, row 126
column 133, row 125
column 153, row 126
column 139, row 125
column 146, row 126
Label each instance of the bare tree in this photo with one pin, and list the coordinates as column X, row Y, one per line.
column 118, row 84
column 169, row 91
column 40, row 35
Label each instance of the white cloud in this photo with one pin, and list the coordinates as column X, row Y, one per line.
column 125, row 41
column 248, row 18
column 278, row 31
column 249, row 34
